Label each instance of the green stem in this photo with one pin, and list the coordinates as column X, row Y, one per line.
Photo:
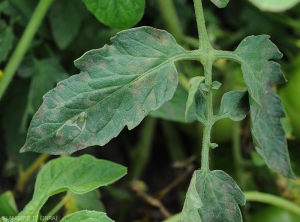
column 203, row 36
column 60, row 204
column 209, row 117
column 24, row 176
column 239, row 163
column 142, row 153
column 23, row 44
column 273, row 200
column 169, row 15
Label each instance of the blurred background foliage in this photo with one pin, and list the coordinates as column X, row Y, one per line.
column 163, row 151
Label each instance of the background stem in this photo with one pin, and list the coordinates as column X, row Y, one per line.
column 23, row 44
column 273, row 200
column 169, row 15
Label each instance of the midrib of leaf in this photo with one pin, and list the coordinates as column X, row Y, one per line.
column 191, row 55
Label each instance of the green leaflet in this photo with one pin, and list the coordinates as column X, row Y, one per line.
column 212, row 196
column 234, row 105
column 274, row 5
column 195, row 105
column 254, row 52
column 220, row 3
column 173, row 109
column 8, row 206
column 86, row 201
column 266, row 128
column 6, row 40
column 79, row 174
column 119, row 85
column 87, row 216
column 65, row 19
column 121, row 14
column 260, row 74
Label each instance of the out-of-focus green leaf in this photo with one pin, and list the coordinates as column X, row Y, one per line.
column 86, row 201
column 65, row 19
column 220, row 3
column 11, row 117
column 121, row 14
column 45, row 74
column 212, row 196
column 87, row 216
column 274, row 214
column 234, row 105
column 195, row 105
column 8, row 205
column 6, row 40
column 274, row 5
column 289, row 189
column 118, row 86
column 266, row 109
column 173, row 109
column 79, row 174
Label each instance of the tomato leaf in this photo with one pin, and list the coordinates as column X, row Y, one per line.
column 234, row 105
column 8, row 206
column 254, row 52
column 119, row 85
column 45, row 74
column 87, row 216
column 6, row 40
column 274, row 5
column 173, row 109
column 195, row 105
column 79, row 174
column 65, row 20
column 86, row 201
column 266, row 109
column 220, row 3
column 212, row 196
column 267, row 132
column 121, row 14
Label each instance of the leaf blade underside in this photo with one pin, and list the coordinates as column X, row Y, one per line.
column 212, row 196
column 119, row 85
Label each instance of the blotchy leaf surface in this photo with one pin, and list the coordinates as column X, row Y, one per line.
column 266, row 128
column 234, row 105
column 173, row 109
column 220, row 3
column 255, row 53
column 79, row 174
column 212, row 196
column 266, row 109
column 121, row 14
column 87, row 216
column 119, row 85
column 196, row 103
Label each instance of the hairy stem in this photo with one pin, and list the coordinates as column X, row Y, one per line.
column 273, row 200
column 203, row 36
column 209, row 117
column 23, row 44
